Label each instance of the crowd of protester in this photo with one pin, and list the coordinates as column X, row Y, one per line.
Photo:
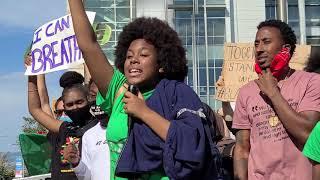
column 140, row 120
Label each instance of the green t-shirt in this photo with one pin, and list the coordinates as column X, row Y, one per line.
column 117, row 129
column 312, row 147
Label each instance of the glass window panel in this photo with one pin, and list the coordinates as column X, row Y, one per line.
column 183, row 27
column 186, row 40
column 183, row 14
column 313, row 40
column 97, row 4
column 292, row 2
column 190, row 77
column 123, row 14
column 203, row 90
column 270, row 12
column 203, row 99
column 215, row 103
column 218, row 62
column 123, row 3
column 214, row 74
column 216, row 27
column 295, row 27
column 219, row 40
column 270, row 2
column 121, row 25
column 183, row 2
column 215, row 52
column 312, row 2
column 212, row 90
column 215, row 1
column 293, row 13
column 189, row 52
column 211, row 62
column 106, row 12
column 200, row 40
column 215, row 13
column 216, row 37
column 312, row 12
column 202, row 76
column 200, row 30
column 202, row 63
column 201, row 52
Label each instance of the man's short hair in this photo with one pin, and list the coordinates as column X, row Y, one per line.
column 286, row 31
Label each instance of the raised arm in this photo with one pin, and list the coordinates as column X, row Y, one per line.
column 241, row 155
column 43, row 94
column 35, row 109
column 42, row 88
column 98, row 65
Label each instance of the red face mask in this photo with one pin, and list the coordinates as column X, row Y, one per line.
column 279, row 63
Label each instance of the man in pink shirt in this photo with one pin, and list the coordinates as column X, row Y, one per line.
column 275, row 113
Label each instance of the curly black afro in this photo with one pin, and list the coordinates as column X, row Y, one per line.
column 286, row 31
column 171, row 55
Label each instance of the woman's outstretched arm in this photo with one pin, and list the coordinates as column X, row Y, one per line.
column 98, row 65
column 35, row 109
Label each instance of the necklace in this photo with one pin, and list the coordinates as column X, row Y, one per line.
column 274, row 120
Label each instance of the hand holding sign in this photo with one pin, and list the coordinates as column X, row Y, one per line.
column 27, row 61
column 55, row 47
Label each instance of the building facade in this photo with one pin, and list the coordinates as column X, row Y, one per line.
column 204, row 26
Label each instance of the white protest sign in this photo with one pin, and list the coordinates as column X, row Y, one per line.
column 54, row 46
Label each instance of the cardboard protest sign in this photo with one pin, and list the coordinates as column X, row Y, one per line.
column 238, row 67
column 54, row 46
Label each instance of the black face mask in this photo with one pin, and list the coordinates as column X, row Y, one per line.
column 98, row 113
column 79, row 116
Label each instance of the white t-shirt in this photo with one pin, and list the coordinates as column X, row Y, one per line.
column 95, row 157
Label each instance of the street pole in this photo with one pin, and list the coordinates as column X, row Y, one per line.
column 282, row 10
column 302, row 21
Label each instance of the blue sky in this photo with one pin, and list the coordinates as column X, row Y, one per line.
column 18, row 19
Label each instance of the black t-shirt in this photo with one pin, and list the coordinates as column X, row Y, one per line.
column 59, row 170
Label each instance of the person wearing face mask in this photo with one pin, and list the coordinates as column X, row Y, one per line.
column 96, row 110
column 94, row 161
column 76, row 106
column 275, row 113
column 59, row 111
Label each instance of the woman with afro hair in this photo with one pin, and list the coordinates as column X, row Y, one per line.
column 158, row 133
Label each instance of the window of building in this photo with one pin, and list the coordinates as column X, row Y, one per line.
column 204, row 59
column 312, row 14
column 113, row 13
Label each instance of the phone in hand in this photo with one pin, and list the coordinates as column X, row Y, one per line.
column 134, row 90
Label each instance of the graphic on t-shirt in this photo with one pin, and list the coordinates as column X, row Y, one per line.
column 270, row 127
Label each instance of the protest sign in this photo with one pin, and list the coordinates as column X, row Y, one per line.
column 54, row 46
column 238, row 67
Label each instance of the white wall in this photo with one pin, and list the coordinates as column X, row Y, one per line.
column 247, row 15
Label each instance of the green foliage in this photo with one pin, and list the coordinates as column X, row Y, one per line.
column 30, row 125
column 6, row 169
